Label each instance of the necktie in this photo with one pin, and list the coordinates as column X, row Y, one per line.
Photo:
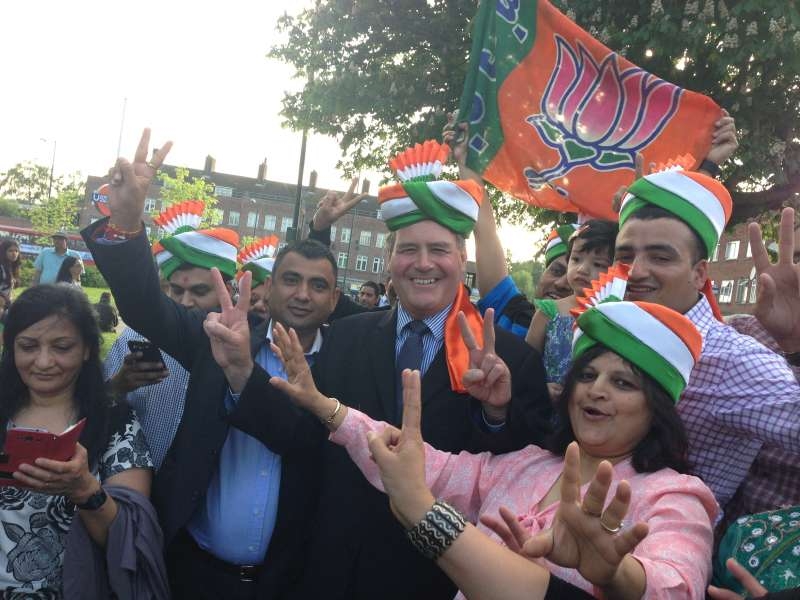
column 409, row 357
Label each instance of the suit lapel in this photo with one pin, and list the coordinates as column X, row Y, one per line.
column 381, row 344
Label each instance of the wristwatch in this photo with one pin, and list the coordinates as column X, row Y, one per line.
column 94, row 501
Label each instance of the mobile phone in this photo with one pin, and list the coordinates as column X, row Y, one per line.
column 26, row 445
column 150, row 352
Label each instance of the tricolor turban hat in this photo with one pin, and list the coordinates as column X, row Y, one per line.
column 558, row 242
column 186, row 244
column 698, row 200
column 660, row 341
column 421, row 195
column 259, row 258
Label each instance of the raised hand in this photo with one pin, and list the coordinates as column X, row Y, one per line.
column 299, row 382
column 130, row 182
column 229, row 332
column 400, row 456
column 778, row 302
column 488, row 378
column 723, row 140
column 639, row 171
column 750, row 583
column 585, row 537
column 333, row 206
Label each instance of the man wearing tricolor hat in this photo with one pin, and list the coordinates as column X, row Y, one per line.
column 157, row 391
column 233, row 510
column 741, row 395
column 356, row 547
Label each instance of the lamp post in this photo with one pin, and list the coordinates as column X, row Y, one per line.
column 52, row 167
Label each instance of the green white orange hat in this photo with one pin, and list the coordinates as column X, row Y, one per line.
column 658, row 340
column 186, row 244
column 558, row 242
column 259, row 258
column 421, row 195
column 700, row 201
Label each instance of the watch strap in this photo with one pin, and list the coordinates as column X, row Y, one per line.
column 94, row 501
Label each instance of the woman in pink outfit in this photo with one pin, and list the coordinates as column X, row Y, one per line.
column 631, row 362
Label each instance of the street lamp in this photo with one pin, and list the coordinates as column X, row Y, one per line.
column 52, row 167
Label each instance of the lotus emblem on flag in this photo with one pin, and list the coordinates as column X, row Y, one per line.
column 597, row 115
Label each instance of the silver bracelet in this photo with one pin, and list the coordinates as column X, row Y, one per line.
column 335, row 412
column 439, row 528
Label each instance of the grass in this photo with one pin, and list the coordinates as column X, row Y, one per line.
column 94, row 296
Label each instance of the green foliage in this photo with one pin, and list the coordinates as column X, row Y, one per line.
column 29, row 184
column 385, row 73
column 57, row 213
column 26, row 272
column 92, row 278
column 11, row 208
column 183, row 187
column 526, row 275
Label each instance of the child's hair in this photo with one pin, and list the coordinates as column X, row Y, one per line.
column 597, row 233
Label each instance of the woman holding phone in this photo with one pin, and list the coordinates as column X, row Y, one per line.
column 50, row 378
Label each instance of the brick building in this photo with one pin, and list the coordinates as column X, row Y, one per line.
column 255, row 207
column 732, row 272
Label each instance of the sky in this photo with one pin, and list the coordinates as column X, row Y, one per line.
column 195, row 73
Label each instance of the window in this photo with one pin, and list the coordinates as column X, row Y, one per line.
column 150, row 205
column 753, row 290
column 715, row 255
column 269, row 222
column 380, row 240
column 365, row 239
column 233, row 218
column 749, row 252
column 741, row 291
column 252, row 219
column 341, row 261
column 732, row 250
column 726, row 291
column 148, row 231
column 286, row 222
column 333, row 233
column 377, row 264
column 223, row 190
column 345, row 235
column 361, row 263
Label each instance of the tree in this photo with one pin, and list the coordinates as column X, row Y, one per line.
column 526, row 275
column 386, row 72
column 182, row 187
column 27, row 183
column 57, row 213
column 10, row 208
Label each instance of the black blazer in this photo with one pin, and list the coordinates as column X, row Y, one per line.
column 181, row 483
column 358, row 549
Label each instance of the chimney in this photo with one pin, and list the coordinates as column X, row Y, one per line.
column 365, row 186
column 262, row 171
column 211, row 163
column 312, row 180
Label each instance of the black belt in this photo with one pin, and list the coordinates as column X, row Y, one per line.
column 245, row 573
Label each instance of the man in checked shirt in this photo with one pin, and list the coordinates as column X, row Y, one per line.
column 741, row 395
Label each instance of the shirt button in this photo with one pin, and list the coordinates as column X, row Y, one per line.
column 263, row 473
column 251, row 548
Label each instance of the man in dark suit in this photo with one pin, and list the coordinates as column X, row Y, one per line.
column 220, row 493
column 357, row 549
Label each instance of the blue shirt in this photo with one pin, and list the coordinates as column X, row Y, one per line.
column 237, row 520
column 48, row 262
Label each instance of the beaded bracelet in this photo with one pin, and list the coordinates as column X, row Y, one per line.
column 114, row 233
column 437, row 531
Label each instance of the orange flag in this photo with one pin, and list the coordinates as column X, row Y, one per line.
column 556, row 118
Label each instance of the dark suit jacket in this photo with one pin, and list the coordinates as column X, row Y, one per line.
column 358, row 549
column 181, row 483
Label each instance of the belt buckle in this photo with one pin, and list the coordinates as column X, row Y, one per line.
column 247, row 573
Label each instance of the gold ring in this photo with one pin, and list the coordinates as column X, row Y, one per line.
column 591, row 514
column 151, row 165
column 611, row 530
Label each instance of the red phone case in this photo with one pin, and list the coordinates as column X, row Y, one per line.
column 25, row 446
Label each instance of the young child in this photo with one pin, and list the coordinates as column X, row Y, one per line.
column 589, row 253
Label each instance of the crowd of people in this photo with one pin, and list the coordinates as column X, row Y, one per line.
column 255, row 433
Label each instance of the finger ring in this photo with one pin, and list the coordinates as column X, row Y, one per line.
column 611, row 530
column 151, row 165
column 588, row 512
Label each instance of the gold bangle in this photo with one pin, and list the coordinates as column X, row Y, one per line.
column 330, row 419
column 120, row 231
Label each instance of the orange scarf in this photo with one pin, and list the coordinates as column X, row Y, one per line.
column 455, row 349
